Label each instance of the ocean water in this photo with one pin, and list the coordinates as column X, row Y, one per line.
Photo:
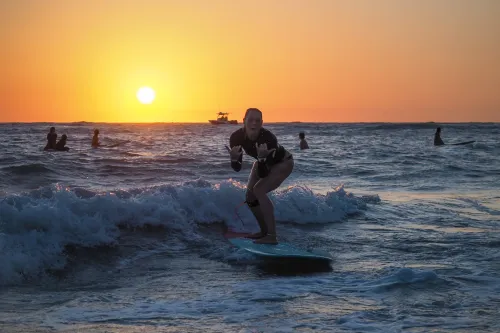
column 129, row 238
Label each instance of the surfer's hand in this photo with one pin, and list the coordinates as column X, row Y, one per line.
column 235, row 153
column 262, row 151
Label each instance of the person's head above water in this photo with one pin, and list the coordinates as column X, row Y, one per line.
column 64, row 137
column 96, row 131
column 438, row 130
column 252, row 122
column 52, row 129
column 302, row 135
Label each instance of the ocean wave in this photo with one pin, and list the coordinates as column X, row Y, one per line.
column 397, row 126
column 25, row 169
column 401, row 277
column 428, row 125
column 36, row 227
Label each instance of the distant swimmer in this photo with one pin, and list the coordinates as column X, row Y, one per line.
column 303, row 142
column 95, row 139
column 61, row 145
column 274, row 164
column 51, row 139
column 437, row 138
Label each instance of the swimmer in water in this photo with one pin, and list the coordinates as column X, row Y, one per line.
column 303, row 142
column 95, row 139
column 61, row 145
column 51, row 139
column 437, row 138
column 274, row 164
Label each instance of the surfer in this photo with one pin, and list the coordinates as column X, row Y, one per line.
column 95, row 139
column 51, row 139
column 274, row 164
column 303, row 142
column 437, row 138
column 61, row 145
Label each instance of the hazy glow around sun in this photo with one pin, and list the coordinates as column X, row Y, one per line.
column 146, row 95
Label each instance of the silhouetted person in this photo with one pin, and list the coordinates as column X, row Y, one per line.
column 437, row 138
column 95, row 139
column 61, row 145
column 303, row 142
column 51, row 139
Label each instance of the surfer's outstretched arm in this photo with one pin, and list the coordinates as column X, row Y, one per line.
column 235, row 152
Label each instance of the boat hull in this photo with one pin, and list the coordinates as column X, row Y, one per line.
column 222, row 122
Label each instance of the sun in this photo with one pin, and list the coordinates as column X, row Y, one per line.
column 146, row 95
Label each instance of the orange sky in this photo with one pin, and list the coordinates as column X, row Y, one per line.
column 331, row 60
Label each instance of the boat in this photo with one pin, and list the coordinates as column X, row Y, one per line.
column 222, row 120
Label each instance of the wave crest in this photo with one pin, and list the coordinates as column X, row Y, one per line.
column 36, row 227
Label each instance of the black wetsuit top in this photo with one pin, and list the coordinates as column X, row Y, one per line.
column 51, row 141
column 61, row 146
column 239, row 138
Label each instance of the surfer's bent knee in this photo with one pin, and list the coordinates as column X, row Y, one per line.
column 257, row 191
column 250, row 197
column 253, row 203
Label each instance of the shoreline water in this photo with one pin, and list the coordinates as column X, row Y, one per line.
column 129, row 238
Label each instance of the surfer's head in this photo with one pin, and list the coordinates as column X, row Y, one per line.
column 438, row 130
column 64, row 137
column 96, row 131
column 302, row 136
column 253, row 122
column 52, row 130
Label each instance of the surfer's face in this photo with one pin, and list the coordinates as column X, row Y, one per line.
column 253, row 123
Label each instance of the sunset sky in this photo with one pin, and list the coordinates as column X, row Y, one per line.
column 317, row 60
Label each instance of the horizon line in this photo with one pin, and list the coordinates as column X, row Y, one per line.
column 239, row 123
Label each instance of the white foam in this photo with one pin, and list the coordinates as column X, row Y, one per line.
column 35, row 227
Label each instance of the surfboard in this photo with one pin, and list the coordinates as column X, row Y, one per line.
column 279, row 251
column 462, row 143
